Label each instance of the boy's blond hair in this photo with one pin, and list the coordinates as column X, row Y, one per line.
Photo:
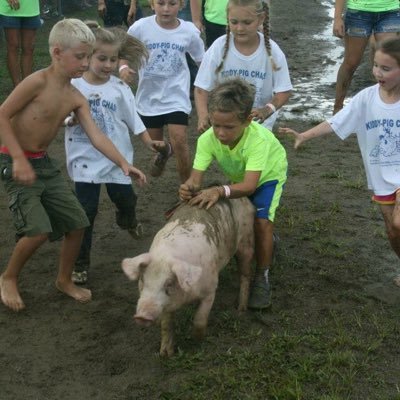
column 181, row 2
column 69, row 32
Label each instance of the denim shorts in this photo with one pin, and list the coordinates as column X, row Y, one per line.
column 20, row 22
column 364, row 23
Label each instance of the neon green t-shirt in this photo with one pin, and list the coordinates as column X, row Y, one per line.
column 257, row 150
column 215, row 11
column 373, row 5
column 28, row 8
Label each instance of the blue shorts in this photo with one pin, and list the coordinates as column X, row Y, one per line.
column 364, row 23
column 266, row 199
column 20, row 22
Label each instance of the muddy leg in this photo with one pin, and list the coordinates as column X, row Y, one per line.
column 167, row 335
column 23, row 251
column 69, row 253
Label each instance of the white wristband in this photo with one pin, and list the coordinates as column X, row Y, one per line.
column 271, row 106
column 69, row 120
column 227, row 191
column 122, row 67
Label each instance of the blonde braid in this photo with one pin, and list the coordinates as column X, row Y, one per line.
column 267, row 43
column 226, row 49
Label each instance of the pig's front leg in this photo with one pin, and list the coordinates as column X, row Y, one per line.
column 244, row 258
column 167, row 335
column 200, row 319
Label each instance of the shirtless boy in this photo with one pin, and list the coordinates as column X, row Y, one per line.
column 42, row 204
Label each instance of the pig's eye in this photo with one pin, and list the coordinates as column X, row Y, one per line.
column 169, row 286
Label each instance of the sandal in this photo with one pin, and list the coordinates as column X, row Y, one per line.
column 80, row 278
column 137, row 231
column 160, row 160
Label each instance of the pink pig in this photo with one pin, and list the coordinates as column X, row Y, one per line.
column 184, row 260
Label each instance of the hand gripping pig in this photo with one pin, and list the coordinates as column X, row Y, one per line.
column 184, row 260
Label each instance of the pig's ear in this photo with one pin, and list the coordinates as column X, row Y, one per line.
column 133, row 267
column 187, row 274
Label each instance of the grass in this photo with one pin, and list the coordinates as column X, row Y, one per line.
column 326, row 338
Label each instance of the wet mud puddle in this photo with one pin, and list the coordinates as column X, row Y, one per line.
column 313, row 95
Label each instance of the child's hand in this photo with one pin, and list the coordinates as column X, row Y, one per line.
column 158, row 146
column 71, row 120
column 22, row 171
column 260, row 114
column 186, row 192
column 127, row 74
column 207, row 197
column 135, row 173
column 298, row 138
column 203, row 124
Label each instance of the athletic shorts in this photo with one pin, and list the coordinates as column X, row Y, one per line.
column 20, row 22
column 266, row 199
column 48, row 206
column 158, row 121
column 365, row 23
column 388, row 199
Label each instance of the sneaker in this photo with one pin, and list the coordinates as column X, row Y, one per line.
column 160, row 160
column 137, row 231
column 260, row 294
column 80, row 278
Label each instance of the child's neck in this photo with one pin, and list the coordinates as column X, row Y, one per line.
column 390, row 96
column 249, row 47
column 171, row 25
column 91, row 78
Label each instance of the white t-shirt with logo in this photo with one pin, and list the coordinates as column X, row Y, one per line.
column 255, row 69
column 112, row 106
column 377, row 125
column 164, row 82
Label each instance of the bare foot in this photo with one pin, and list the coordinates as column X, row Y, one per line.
column 78, row 293
column 10, row 294
column 396, row 280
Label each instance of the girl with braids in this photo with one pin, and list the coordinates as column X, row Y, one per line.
column 245, row 53
column 112, row 106
column 253, row 160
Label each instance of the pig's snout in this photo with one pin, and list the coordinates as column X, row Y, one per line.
column 143, row 320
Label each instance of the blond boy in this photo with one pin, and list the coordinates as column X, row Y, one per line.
column 41, row 202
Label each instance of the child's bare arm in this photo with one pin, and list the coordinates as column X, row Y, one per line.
column 208, row 197
column 153, row 145
column 278, row 100
column 201, row 100
column 322, row 129
column 22, row 95
column 100, row 141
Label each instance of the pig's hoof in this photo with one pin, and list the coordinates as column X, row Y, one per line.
column 167, row 351
column 198, row 333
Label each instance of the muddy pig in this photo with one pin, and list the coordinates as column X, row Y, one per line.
column 184, row 260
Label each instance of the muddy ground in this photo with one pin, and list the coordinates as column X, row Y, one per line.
column 333, row 260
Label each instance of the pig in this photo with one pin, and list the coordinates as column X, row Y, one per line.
column 184, row 260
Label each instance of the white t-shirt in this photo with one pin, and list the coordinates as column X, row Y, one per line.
column 164, row 82
column 377, row 125
column 255, row 69
column 112, row 106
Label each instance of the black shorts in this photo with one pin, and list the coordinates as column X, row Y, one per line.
column 158, row 121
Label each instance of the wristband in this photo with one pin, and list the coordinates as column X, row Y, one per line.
column 271, row 106
column 68, row 121
column 122, row 67
column 227, row 191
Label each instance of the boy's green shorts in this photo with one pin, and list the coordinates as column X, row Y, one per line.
column 48, row 206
